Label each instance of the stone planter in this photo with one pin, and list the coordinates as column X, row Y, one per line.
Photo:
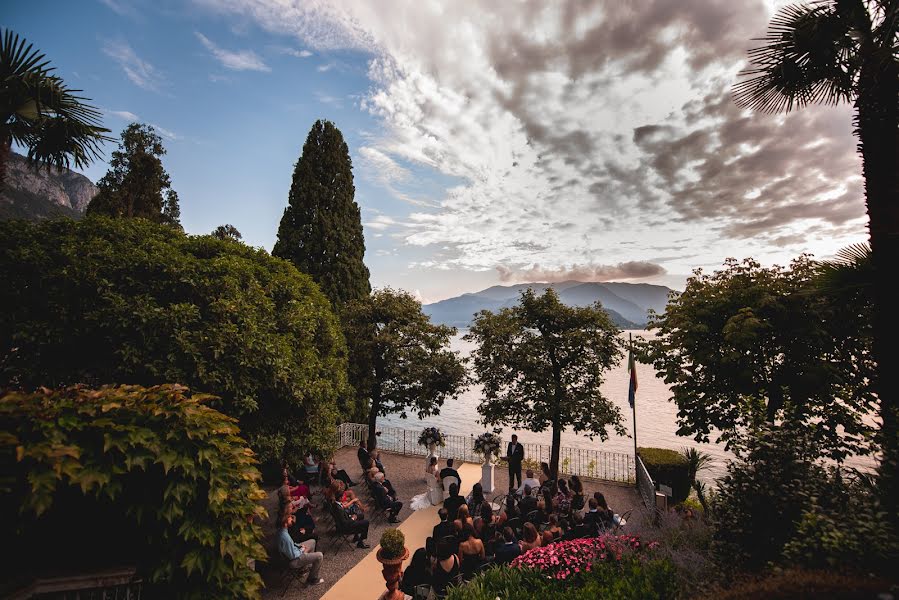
column 392, row 572
column 487, row 476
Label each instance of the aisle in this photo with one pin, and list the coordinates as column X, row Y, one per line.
column 364, row 581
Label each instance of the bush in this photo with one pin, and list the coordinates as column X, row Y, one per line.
column 669, row 467
column 128, row 301
column 810, row 585
column 629, row 579
column 392, row 543
column 149, row 476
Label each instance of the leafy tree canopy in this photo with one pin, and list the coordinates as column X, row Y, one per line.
column 541, row 364
column 128, row 301
column 749, row 345
column 136, row 184
column 227, row 232
column 321, row 230
column 38, row 111
column 412, row 368
column 148, row 476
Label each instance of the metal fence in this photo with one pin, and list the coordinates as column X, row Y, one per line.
column 597, row 464
column 645, row 485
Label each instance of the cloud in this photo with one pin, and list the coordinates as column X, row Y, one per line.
column 124, row 114
column 140, row 72
column 585, row 132
column 242, row 60
column 382, row 167
column 123, row 9
column 624, row 270
column 291, row 51
column 129, row 116
column 324, row 68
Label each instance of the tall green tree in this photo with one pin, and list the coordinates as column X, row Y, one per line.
column 38, row 111
column 541, row 364
column 227, row 232
column 321, row 229
column 846, row 51
column 412, row 368
column 750, row 347
column 321, row 234
column 137, row 184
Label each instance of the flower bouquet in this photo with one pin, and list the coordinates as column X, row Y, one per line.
column 431, row 436
column 487, row 445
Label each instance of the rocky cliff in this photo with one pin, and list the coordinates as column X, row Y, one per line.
column 36, row 193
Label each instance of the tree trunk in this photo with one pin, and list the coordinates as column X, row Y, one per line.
column 554, row 454
column 372, row 423
column 878, row 132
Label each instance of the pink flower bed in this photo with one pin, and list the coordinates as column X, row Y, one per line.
column 562, row 560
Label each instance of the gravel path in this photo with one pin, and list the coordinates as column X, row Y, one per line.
column 407, row 475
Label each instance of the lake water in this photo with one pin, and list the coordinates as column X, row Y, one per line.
column 656, row 417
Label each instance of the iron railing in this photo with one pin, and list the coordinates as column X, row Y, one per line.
column 596, row 464
column 645, row 485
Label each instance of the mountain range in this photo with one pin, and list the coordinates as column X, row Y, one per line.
column 35, row 194
column 627, row 303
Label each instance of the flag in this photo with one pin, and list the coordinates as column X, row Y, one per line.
column 632, row 387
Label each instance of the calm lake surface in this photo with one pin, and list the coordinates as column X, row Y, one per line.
column 656, row 417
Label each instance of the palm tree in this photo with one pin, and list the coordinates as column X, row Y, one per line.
column 837, row 51
column 39, row 112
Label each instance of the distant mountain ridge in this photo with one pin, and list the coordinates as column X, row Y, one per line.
column 627, row 303
column 35, row 194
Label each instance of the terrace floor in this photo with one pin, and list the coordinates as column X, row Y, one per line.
column 356, row 573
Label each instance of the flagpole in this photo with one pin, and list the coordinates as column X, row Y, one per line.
column 634, row 403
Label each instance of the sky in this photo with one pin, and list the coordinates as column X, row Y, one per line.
column 492, row 142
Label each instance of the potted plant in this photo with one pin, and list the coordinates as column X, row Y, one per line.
column 391, row 555
column 430, row 438
column 487, row 445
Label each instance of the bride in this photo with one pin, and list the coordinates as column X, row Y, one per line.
column 422, row 501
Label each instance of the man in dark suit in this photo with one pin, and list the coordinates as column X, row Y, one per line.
column 444, row 527
column 453, row 503
column 528, row 503
column 509, row 550
column 449, row 471
column 595, row 519
column 384, row 497
column 357, row 526
column 363, row 454
column 514, row 456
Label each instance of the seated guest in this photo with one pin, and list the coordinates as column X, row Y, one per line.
column 340, row 474
column 447, row 570
column 606, row 514
column 509, row 550
column 463, row 519
column 449, row 471
column 353, row 523
column 594, row 520
column 299, row 555
column 577, row 529
column 530, row 480
column 445, row 527
column 347, row 499
column 553, row 531
column 310, row 467
column 548, row 506
column 562, row 499
column 417, row 573
column 476, row 498
column 285, row 471
column 384, row 498
column 304, row 528
column 363, row 454
column 528, row 503
column 578, row 500
column 545, row 475
column 454, row 501
column 530, row 539
column 510, row 510
column 376, row 457
column 470, row 545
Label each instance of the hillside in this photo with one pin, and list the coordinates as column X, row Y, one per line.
column 627, row 303
column 35, row 194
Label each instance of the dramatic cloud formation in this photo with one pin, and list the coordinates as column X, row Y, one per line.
column 242, row 60
column 586, row 132
column 140, row 72
column 621, row 271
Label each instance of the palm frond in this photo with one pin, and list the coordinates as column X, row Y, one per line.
column 808, row 56
column 850, row 272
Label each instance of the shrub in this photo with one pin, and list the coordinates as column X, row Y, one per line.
column 393, row 543
column 128, row 301
column 670, row 468
column 564, row 560
column 810, row 585
column 152, row 476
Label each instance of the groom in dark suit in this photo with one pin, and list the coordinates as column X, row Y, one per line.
column 514, row 456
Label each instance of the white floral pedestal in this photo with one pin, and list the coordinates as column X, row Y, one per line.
column 487, row 476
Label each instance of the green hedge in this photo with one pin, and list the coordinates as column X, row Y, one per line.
column 129, row 475
column 669, row 467
column 126, row 301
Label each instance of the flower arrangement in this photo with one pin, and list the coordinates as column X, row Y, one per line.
column 487, row 445
column 392, row 543
column 431, row 435
column 568, row 559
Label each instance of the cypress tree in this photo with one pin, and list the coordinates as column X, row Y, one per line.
column 321, row 230
column 321, row 233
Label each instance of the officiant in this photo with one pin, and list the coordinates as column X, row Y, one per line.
column 514, row 456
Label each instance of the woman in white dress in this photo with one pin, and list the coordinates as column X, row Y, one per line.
column 432, row 477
